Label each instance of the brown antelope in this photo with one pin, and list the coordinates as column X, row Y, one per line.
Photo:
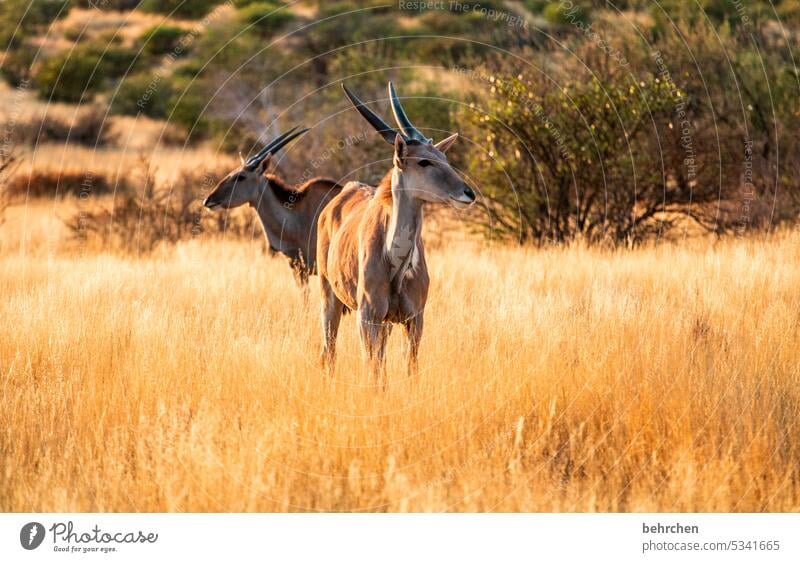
column 288, row 216
column 369, row 250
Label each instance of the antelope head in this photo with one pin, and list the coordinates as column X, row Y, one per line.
column 247, row 183
column 426, row 173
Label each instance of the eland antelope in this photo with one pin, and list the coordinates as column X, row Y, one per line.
column 369, row 251
column 288, row 216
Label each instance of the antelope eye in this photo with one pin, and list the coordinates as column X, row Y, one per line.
column 424, row 163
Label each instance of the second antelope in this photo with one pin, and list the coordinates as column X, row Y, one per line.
column 289, row 217
column 369, row 249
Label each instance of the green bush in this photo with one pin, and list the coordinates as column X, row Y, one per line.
column 265, row 18
column 162, row 39
column 117, row 5
column 186, row 106
column 148, row 94
column 68, row 78
column 567, row 13
column 190, row 9
column 19, row 17
column 556, row 163
column 71, row 76
column 74, row 33
column 16, row 67
column 535, row 6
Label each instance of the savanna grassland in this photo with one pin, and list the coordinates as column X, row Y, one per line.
column 614, row 327
column 661, row 378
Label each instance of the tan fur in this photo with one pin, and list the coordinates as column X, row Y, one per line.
column 288, row 216
column 370, row 253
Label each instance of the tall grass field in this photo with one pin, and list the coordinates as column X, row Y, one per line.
column 665, row 378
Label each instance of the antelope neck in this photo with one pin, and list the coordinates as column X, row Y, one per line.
column 275, row 219
column 405, row 223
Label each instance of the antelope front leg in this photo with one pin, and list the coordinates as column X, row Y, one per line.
column 413, row 328
column 374, row 334
column 331, row 315
column 383, row 338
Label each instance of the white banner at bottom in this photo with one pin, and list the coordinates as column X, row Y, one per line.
column 400, row 537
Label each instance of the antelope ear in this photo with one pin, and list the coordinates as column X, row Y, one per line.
column 444, row 144
column 400, row 150
column 264, row 164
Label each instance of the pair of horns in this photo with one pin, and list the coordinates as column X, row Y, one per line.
column 407, row 130
column 273, row 147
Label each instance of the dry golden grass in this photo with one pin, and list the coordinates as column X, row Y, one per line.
column 92, row 24
column 38, row 228
column 567, row 379
column 167, row 163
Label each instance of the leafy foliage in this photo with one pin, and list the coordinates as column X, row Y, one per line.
column 578, row 161
column 19, row 18
column 265, row 18
column 143, row 93
column 76, row 74
column 162, row 39
column 180, row 8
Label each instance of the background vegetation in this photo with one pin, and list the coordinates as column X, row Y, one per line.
column 581, row 120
